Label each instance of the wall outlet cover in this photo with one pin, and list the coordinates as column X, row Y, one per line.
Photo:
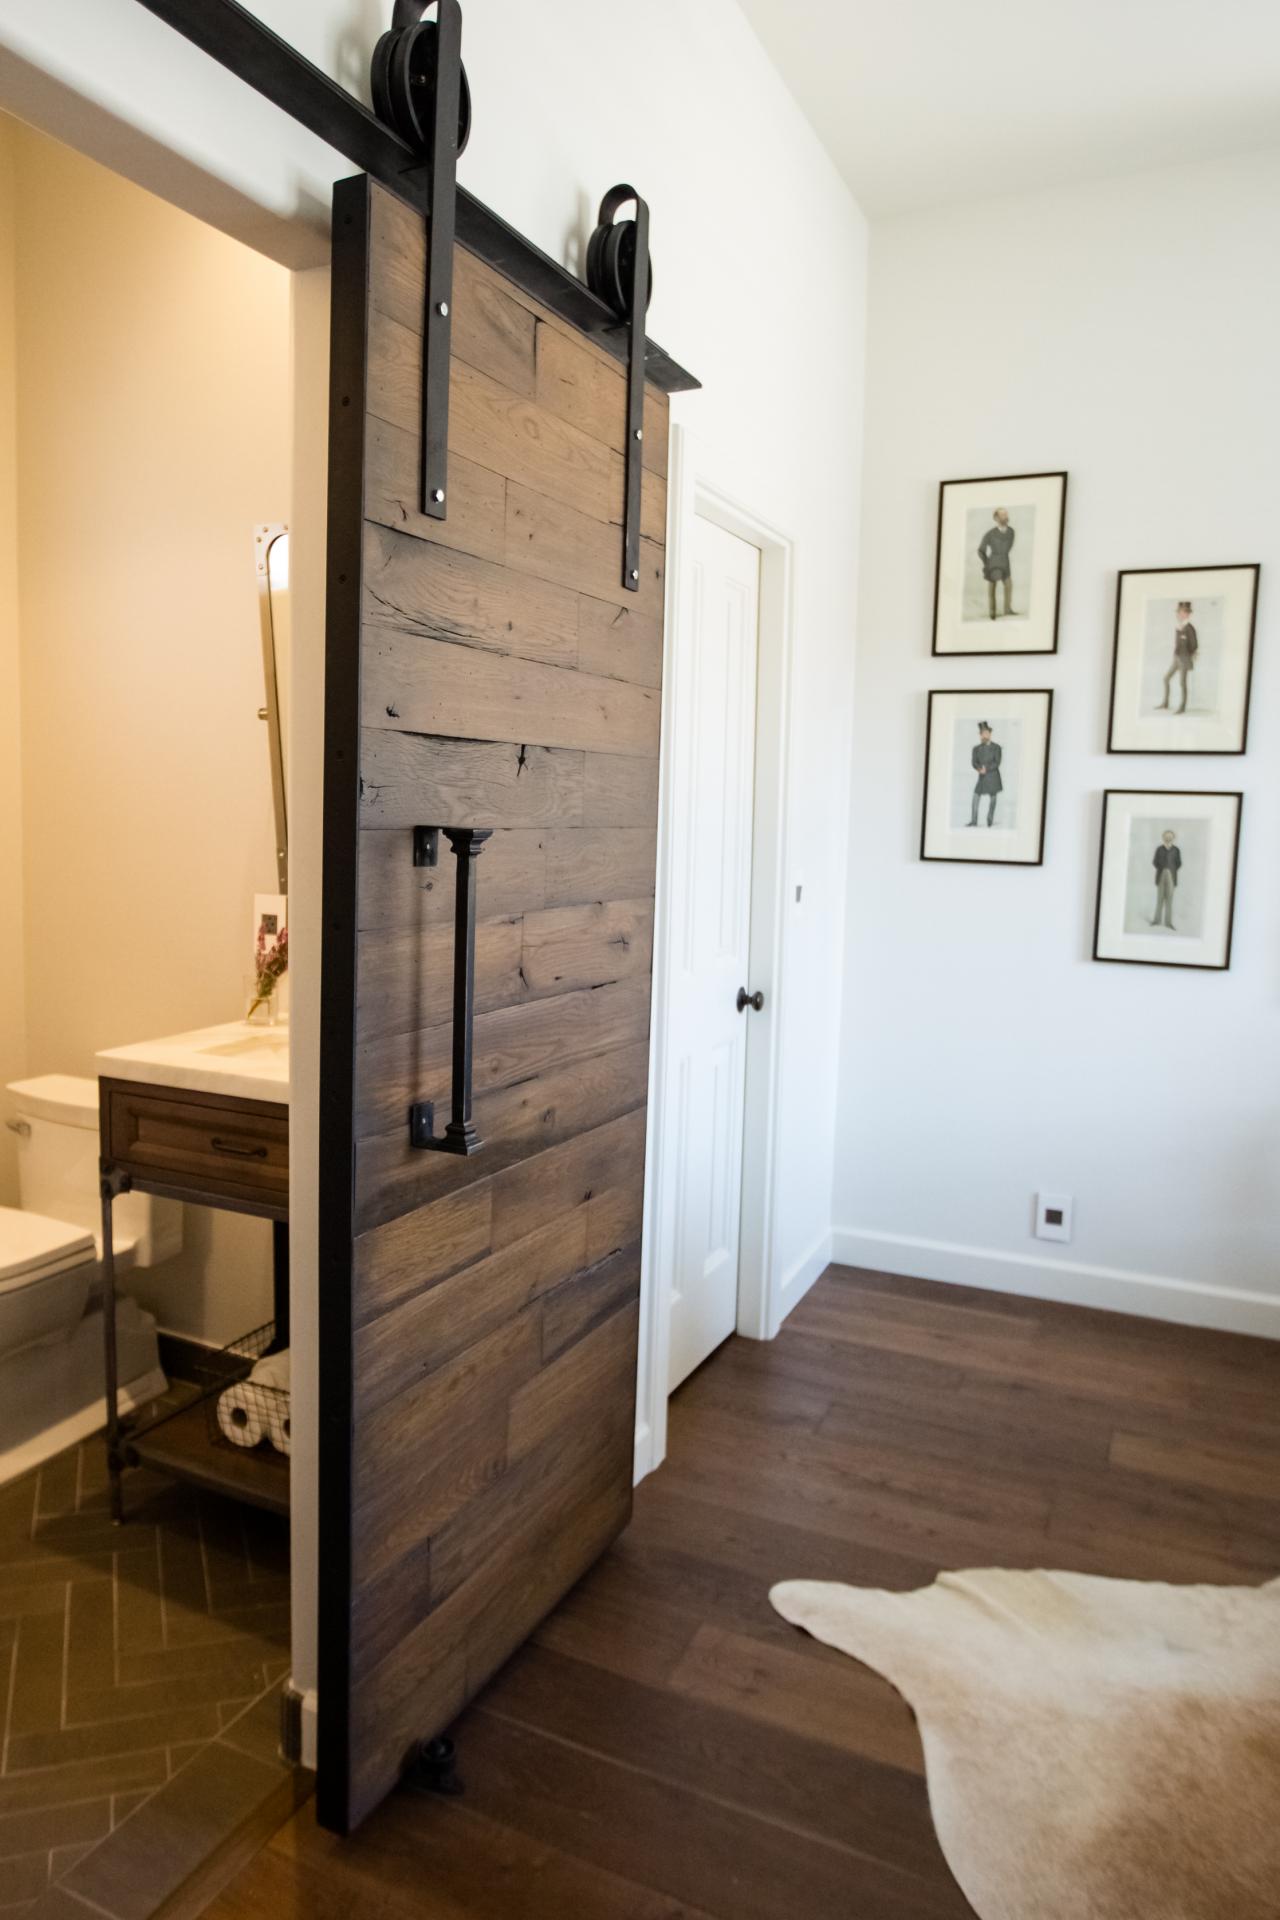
column 1053, row 1216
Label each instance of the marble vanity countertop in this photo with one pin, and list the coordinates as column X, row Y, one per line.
column 245, row 1062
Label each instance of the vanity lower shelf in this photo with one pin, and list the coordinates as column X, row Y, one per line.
column 206, row 1147
column 183, row 1447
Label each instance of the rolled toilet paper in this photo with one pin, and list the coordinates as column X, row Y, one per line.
column 278, row 1432
column 240, row 1415
column 273, row 1371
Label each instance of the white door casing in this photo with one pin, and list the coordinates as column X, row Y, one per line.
column 710, row 936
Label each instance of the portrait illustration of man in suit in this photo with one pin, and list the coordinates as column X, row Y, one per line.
column 1186, row 645
column 987, row 756
column 1166, row 860
column 993, row 551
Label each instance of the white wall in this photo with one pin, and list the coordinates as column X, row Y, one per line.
column 153, row 434
column 13, row 1018
column 760, row 277
column 1126, row 332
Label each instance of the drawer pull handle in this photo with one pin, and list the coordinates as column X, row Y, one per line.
column 240, row 1152
column 459, row 1135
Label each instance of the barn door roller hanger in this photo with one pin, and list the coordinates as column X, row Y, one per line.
column 420, row 89
column 411, row 145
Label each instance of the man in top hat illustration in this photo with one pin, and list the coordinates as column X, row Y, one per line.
column 987, row 756
column 993, row 552
column 1185, row 648
column 1166, row 860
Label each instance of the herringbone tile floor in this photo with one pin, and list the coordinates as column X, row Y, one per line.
column 123, row 1650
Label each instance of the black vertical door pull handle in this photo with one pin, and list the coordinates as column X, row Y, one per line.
column 460, row 1135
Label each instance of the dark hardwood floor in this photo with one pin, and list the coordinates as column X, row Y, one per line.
column 668, row 1749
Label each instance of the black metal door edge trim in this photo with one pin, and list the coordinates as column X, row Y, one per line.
column 348, row 360
column 234, row 37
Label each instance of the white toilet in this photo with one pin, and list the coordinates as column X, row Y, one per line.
column 51, row 1388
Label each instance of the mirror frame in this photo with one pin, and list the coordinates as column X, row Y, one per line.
column 265, row 537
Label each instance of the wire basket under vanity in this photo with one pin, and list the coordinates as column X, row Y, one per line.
column 246, row 1394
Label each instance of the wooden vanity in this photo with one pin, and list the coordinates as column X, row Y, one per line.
column 202, row 1118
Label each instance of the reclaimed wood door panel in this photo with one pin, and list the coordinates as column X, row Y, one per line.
column 480, row 1313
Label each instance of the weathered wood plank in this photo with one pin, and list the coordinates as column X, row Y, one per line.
column 584, row 1170
column 590, row 391
column 505, row 432
column 556, row 542
column 512, row 1043
column 442, row 687
column 521, row 871
column 514, row 1123
column 417, row 587
column 412, row 780
column 564, row 947
column 396, row 1351
column 396, row 896
column 395, row 1262
column 624, row 641
column 491, row 330
column 477, row 497
column 586, row 863
column 405, row 980
column 575, row 1385
column 578, row 1305
column 619, row 791
column 424, row 1452
column 576, row 1462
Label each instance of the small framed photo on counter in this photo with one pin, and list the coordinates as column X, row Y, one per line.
column 1183, row 660
column 999, row 569
column 986, row 776
column 1167, row 878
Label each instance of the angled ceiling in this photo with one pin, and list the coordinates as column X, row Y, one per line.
column 924, row 102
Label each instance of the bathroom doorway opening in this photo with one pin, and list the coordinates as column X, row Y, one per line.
column 147, row 455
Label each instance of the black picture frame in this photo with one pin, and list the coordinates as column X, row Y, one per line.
column 998, row 653
column 1141, row 573
column 986, row 694
column 1172, row 793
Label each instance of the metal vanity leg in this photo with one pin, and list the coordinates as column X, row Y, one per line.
column 113, row 1182
column 280, row 1272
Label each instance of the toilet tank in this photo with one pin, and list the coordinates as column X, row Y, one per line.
column 56, row 1116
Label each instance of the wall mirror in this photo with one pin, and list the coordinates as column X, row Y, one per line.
column 271, row 561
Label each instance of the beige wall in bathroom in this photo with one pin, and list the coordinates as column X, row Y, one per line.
column 13, row 1024
column 154, row 432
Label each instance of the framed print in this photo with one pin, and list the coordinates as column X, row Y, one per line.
column 986, row 775
column 1167, row 878
column 999, row 571
column 1183, row 660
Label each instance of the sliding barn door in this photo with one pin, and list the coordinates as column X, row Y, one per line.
column 486, row 672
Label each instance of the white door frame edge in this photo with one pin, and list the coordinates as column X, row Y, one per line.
column 694, row 488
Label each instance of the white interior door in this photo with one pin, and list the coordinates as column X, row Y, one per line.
column 710, row 925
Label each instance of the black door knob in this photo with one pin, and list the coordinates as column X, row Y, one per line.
column 746, row 1000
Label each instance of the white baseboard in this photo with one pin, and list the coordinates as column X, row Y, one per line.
column 1155, row 1296
column 644, row 1460
column 798, row 1278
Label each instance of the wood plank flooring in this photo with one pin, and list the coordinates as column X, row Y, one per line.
column 128, row 1656
column 668, row 1749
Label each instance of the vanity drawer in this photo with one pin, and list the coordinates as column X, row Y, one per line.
column 199, row 1144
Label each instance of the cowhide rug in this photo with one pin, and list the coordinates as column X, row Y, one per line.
column 1095, row 1749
